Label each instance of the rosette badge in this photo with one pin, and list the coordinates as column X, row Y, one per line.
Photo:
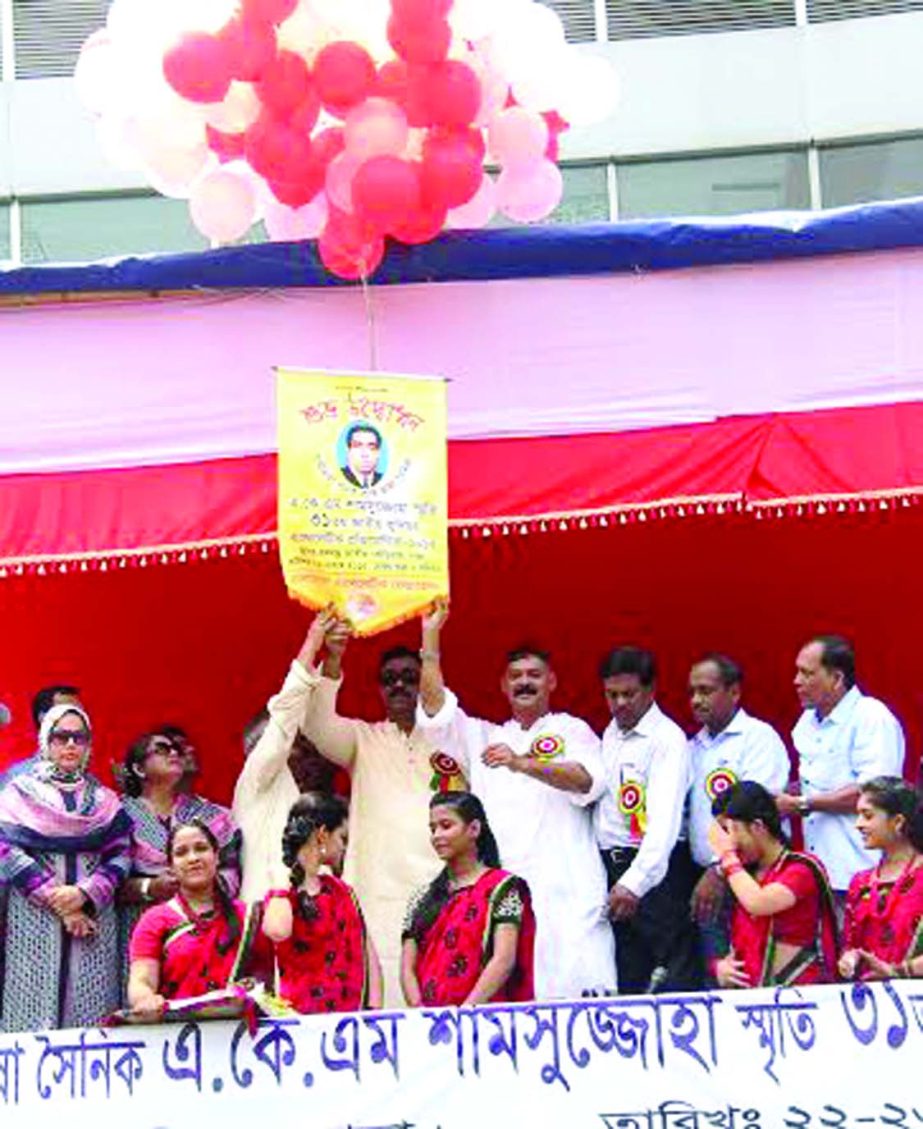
column 546, row 747
column 718, row 781
column 632, row 804
column 447, row 774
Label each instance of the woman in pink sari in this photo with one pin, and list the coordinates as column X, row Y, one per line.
column 783, row 926
column 883, row 935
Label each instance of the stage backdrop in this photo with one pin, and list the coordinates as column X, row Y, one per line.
column 206, row 642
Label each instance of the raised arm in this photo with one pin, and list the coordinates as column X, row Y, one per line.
column 432, row 687
column 333, row 736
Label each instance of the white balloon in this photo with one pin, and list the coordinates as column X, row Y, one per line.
column 240, row 108
column 117, row 139
column 531, row 195
column 222, row 205
column 291, row 224
column 590, row 89
column 540, row 84
column 173, row 172
column 474, row 19
column 375, row 127
column 304, row 32
column 478, row 211
column 175, row 124
column 98, row 72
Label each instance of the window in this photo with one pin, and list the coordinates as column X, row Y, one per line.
column 586, row 195
column 628, row 19
column 4, row 232
column 874, row 170
column 714, row 186
column 88, row 228
column 48, row 34
column 578, row 17
column 821, row 10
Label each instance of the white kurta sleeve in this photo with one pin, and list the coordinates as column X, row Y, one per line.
column 270, row 754
column 454, row 732
column 765, row 759
column 583, row 747
column 333, row 736
column 667, row 784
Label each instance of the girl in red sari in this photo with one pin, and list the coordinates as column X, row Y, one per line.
column 325, row 960
column 884, row 906
column 469, row 936
column 783, row 926
column 198, row 941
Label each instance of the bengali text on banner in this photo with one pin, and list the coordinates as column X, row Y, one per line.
column 363, row 504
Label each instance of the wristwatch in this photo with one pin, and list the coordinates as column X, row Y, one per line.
column 804, row 805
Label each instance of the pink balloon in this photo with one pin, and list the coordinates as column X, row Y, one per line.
column 530, row 193
column 375, row 127
column 290, row 224
column 339, row 180
column 517, row 136
column 222, row 206
column 479, row 210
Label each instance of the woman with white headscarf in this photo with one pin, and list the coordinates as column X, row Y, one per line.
column 64, row 847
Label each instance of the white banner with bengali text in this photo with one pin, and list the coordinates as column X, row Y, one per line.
column 836, row 1057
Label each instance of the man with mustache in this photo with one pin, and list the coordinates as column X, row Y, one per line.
column 843, row 738
column 395, row 768
column 537, row 776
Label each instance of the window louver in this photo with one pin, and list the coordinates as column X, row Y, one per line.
column 820, row 11
column 638, row 19
column 578, row 18
column 49, row 34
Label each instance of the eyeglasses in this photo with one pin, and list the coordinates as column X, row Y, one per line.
column 403, row 677
column 62, row 737
column 162, row 747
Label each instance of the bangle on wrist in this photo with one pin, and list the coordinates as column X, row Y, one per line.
column 277, row 893
column 427, row 653
column 144, row 889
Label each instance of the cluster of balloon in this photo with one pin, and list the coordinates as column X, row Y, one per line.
column 345, row 120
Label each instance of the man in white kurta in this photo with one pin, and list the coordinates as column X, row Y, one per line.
column 843, row 738
column 395, row 768
column 537, row 776
column 266, row 787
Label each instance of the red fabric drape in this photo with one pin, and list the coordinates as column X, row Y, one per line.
column 205, row 643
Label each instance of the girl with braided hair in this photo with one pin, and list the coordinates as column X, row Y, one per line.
column 468, row 936
column 325, row 960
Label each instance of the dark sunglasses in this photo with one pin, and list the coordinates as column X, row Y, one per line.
column 62, row 737
column 407, row 677
column 163, row 746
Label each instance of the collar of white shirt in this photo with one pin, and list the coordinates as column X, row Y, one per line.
column 734, row 727
column 842, row 711
column 647, row 725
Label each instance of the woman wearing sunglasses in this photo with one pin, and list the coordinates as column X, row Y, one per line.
column 64, row 847
column 153, row 777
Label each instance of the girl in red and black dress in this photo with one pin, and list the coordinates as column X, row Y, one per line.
column 783, row 925
column 325, row 960
column 884, row 905
column 469, row 936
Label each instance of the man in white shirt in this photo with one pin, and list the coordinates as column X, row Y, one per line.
column 731, row 746
column 537, row 775
column 843, row 738
column 269, row 782
column 638, row 821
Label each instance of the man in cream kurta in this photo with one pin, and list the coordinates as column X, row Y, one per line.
column 537, row 776
column 394, row 773
column 267, row 786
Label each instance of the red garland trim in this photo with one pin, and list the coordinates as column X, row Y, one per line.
column 873, row 501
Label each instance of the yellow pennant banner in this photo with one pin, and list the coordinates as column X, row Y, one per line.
column 363, row 506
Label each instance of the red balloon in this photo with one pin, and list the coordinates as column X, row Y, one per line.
column 327, row 144
column 273, row 149
column 451, row 92
column 344, row 75
column 227, row 146
column 420, row 43
column 413, row 13
column 304, row 117
column 556, row 126
column 386, row 191
column 285, row 84
column 251, row 47
column 348, row 247
column 300, row 186
column 269, row 11
column 452, row 168
column 422, row 227
column 198, row 67
column 392, row 81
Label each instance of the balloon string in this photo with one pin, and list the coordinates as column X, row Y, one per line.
column 370, row 321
